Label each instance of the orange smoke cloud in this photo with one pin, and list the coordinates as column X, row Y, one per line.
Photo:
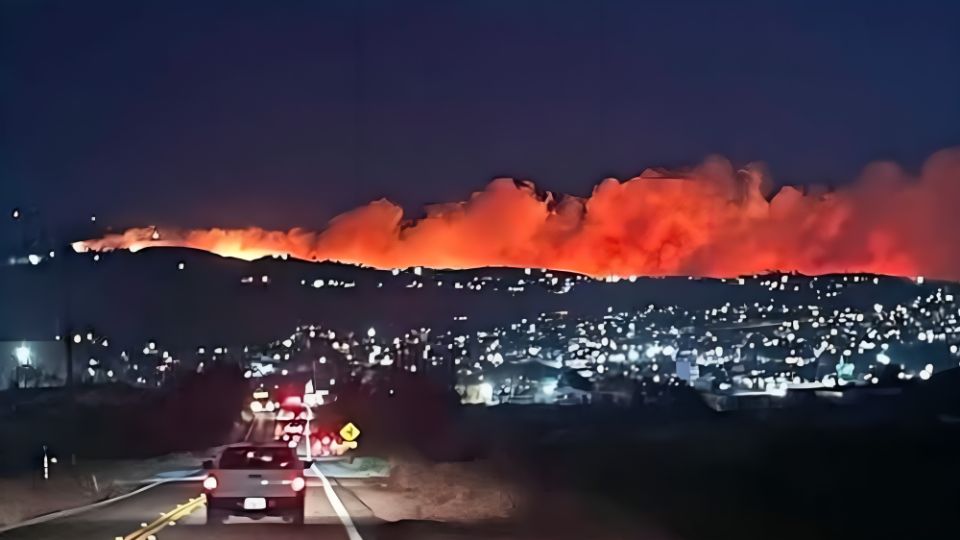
column 709, row 221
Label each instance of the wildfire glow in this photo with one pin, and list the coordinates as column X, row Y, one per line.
column 709, row 221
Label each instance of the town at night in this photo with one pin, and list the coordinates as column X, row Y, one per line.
column 378, row 270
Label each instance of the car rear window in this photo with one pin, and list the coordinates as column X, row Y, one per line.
column 258, row 458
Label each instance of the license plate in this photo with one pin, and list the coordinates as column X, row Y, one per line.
column 254, row 503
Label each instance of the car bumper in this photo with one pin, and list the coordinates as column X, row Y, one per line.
column 275, row 505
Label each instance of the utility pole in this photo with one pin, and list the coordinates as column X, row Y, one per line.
column 68, row 343
column 66, row 327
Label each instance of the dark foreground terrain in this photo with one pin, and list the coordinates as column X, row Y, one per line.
column 195, row 411
column 884, row 466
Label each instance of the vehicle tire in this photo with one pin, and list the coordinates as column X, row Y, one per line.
column 215, row 516
column 296, row 515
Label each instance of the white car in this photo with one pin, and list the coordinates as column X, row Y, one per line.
column 293, row 427
column 294, row 412
column 285, row 415
column 255, row 480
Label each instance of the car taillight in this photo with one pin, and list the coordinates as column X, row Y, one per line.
column 325, row 440
column 210, row 483
column 298, row 483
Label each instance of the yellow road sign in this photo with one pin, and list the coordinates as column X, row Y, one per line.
column 349, row 432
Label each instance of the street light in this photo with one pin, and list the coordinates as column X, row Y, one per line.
column 23, row 355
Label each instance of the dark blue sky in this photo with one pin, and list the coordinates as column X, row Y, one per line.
column 285, row 113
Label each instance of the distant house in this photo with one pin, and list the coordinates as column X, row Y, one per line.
column 573, row 389
column 615, row 391
column 742, row 401
column 567, row 395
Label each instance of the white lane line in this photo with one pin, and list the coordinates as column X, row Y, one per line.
column 250, row 429
column 338, row 506
column 307, row 434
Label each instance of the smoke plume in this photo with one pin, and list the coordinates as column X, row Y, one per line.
column 711, row 220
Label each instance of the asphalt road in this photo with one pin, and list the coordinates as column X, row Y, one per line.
column 176, row 511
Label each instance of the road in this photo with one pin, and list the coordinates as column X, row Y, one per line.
column 175, row 510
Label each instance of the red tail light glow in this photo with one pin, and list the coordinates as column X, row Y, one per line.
column 298, row 483
column 210, row 483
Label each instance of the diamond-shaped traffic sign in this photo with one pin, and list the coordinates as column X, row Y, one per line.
column 349, row 432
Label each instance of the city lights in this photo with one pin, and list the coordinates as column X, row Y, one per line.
column 789, row 339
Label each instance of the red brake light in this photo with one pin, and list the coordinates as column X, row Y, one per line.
column 298, row 483
column 325, row 440
column 210, row 483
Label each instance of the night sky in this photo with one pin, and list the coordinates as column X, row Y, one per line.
column 281, row 114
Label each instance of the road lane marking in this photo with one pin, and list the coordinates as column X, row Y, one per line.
column 182, row 510
column 165, row 519
column 250, row 429
column 339, row 484
column 338, row 506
